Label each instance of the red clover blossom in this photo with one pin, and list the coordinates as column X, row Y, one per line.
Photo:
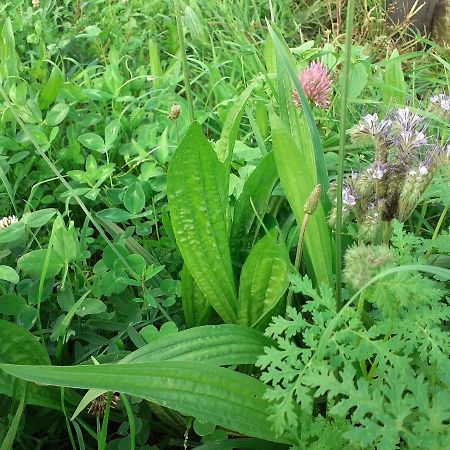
column 316, row 84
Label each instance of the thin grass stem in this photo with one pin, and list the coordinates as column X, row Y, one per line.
column 342, row 137
column 184, row 60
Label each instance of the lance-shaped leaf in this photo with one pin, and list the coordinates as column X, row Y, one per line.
column 252, row 201
column 264, row 279
column 298, row 183
column 230, row 128
column 215, row 344
column 214, row 394
column 197, row 190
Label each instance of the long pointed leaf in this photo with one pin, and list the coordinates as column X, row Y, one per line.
column 214, row 394
column 298, row 183
column 215, row 344
column 254, row 197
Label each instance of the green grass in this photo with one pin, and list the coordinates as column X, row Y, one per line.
column 171, row 245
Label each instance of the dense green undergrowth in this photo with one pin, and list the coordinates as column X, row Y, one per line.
column 200, row 248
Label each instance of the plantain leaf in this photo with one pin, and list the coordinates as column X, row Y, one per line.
column 197, row 191
column 264, row 279
column 197, row 310
column 287, row 76
column 298, row 183
column 256, row 191
column 230, row 128
column 230, row 399
column 215, row 344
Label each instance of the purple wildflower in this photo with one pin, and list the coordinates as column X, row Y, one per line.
column 377, row 170
column 442, row 101
column 409, row 140
column 316, row 84
column 371, row 127
column 348, row 196
column 408, row 120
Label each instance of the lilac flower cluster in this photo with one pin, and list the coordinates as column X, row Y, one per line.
column 405, row 161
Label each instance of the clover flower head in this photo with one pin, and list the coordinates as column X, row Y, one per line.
column 175, row 112
column 442, row 101
column 36, row 3
column 7, row 221
column 316, row 84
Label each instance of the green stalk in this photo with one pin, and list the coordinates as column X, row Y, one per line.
column 104, row 429
column 131, row 420
column 343, row 123
column 184, row 61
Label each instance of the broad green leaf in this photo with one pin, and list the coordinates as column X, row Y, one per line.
column 93, row 142
column 12, row 304
column 9, row 274
column 114, row 215
column 264, row 280
column 38, row 218
column 197, row 190
column 196, row 309
column 215, row 344
column 225, row 344
column 214, row 394
column 134, row 198
column 230, row 128
column 32, row 263
column 254, row 197
column 394, row 87
column 57, row 114
column 13, row 232
column 19, row 346
column 298, row 183
column 48, row 95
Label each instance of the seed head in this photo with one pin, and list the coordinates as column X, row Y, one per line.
column 362, row 262
column 97, row 407
column 175, row 111
column 316, row 84
column 313, row 200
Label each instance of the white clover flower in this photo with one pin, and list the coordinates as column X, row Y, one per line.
column 150, row 78
column 7, row 221
column 36, row 3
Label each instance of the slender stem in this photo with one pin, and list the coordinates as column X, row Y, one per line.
column 104, row 429
column 298, row 254
column 184, row 61
column 343, row 123
column 131, row 420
